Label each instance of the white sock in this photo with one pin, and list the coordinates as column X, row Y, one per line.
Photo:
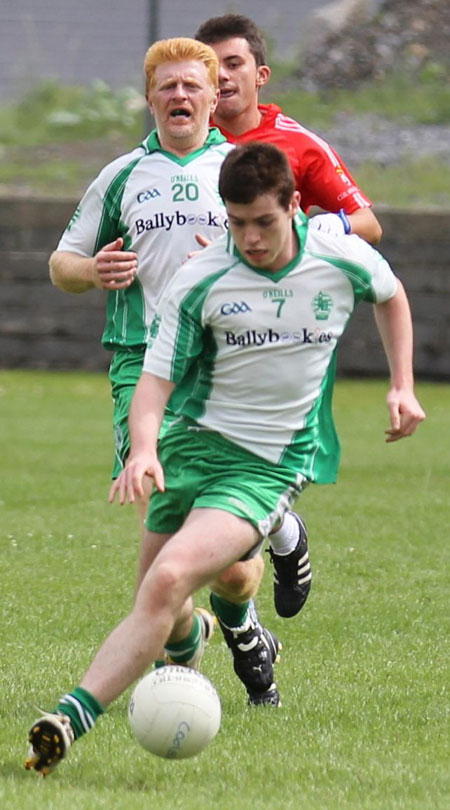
column 284, row 540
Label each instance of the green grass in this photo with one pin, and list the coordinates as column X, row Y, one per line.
column 52, row 112
column 416, row 100
column 363, row 677
column 50, row 176
column 413, row 186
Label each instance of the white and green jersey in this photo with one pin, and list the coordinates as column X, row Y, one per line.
column 253, row 353
column 157, row 202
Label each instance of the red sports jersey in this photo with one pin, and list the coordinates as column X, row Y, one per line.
column 320, row 175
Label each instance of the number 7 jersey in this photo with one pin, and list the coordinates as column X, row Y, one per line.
column 253, row 353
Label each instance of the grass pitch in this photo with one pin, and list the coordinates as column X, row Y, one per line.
column 364, row 671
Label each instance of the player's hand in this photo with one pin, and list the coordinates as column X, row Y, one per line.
column 114, row 268
column 202, row 241
column 328, row 223
column 405, row 414
column 129, row 483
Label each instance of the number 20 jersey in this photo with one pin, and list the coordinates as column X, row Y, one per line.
column 157, row 202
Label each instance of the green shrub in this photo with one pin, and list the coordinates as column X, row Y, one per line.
column 53, row 112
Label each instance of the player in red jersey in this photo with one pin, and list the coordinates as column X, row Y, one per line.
column 320, row 175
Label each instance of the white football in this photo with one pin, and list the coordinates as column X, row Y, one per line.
column 174, row 712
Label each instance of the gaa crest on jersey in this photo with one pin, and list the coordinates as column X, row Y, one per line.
column 235, row 308
column 148, row 194
column 322, row 304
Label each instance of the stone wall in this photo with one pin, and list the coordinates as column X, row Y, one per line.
column 42, row 327
column 418, row 248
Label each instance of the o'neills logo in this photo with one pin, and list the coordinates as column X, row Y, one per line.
column 254, row 338
column 166, row 221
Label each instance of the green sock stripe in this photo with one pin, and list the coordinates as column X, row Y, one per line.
column 82, row 708
column 87, row 699
column 230, row 614
column 183, row 650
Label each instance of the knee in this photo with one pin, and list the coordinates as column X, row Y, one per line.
column 240, row 581
column 161, row 588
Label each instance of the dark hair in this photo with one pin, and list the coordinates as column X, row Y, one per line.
column 217, row 29
column 253, row 169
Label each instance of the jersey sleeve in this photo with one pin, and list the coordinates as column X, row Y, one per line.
column 384, row 281
column 379, row 282
column 366, row 269
column 92, row 225
column 325, row 181
column 82, row 231
column 176, row 335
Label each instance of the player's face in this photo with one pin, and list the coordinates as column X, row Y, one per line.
column 263, row 232
column 239, row 79
column 182, row 100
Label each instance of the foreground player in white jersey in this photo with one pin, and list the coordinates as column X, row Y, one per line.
column 252, row 385
column 322, row 180
column 131, row 231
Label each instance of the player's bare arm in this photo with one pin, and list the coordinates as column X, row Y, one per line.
column 394, row 323
column 110, row 269
column 364, row 223
column 146, row 414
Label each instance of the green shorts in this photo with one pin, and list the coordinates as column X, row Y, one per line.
column 203, row 469
column 124, row 373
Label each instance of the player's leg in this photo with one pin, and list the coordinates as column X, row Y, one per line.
column 207, row 543
column 150, row 547
column 254, row 648
column 124, row 374
column 262, row 492
column 289, row 555
column 240, row 582
column 188, row 642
